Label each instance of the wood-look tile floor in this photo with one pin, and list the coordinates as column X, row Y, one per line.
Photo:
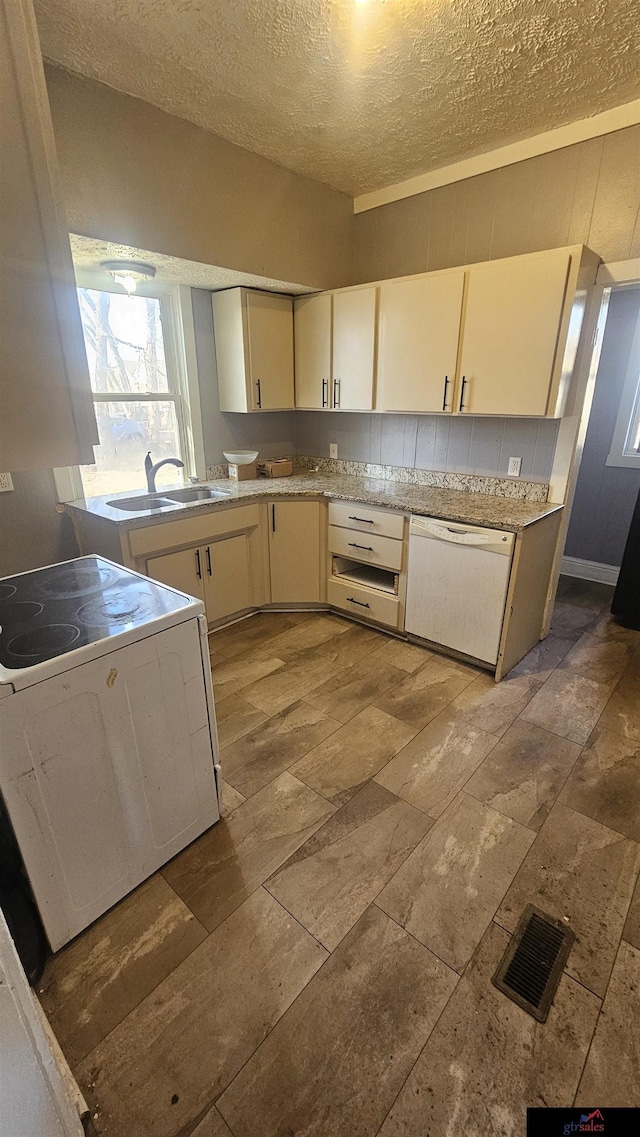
column 319, row 963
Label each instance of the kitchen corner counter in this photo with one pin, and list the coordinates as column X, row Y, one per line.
column 511, row 514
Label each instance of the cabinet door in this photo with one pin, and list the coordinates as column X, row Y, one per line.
column 354, row 336
column 510, row 335
column 183, row 570
column 270, row 350
column 419, row 329
column 47, row 414
column 226, row 566
column 312, row 338
column 294, row 551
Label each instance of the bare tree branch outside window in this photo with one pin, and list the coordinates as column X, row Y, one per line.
column 126, row 356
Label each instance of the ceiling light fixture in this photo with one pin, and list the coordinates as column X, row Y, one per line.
column 129, row 274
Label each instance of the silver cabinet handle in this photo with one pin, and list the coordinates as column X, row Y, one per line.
column 336, row 394
column 444, row 397
column 353, row 545
column 352, row 600
column 325, row 392
column 198, row 565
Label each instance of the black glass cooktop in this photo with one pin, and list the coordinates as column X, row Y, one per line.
column 55, row 610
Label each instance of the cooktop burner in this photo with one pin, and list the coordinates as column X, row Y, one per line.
column 42, row 643
column 51, row 611
column 18, row 611
column 64, row 581
column 119, row 607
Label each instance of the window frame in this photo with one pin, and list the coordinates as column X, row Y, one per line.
column 178, row 335
column 628, row 416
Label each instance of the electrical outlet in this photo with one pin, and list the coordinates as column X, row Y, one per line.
column 6, row 482
column 333, row 449
column 515, row 466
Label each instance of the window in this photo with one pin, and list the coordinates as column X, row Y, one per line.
column 625, row 444
column 138, row 401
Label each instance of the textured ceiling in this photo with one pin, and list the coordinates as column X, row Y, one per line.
column 357, row 93
column 89, row 252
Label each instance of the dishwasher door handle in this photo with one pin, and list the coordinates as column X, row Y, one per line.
column 448, row 533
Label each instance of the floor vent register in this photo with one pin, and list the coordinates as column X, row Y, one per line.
column 530, row 970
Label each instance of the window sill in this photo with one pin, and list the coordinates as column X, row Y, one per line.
column 624, row 461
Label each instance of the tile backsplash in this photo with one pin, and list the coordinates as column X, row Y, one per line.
column 456, row 445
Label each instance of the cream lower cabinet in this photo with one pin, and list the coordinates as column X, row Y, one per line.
column 218, row 573
column 182, row 570
column 226, row 573
column 294, row 551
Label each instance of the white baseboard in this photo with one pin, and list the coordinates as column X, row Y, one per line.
column 590, row 570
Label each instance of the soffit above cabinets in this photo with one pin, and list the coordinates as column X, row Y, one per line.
column 90, row 252
column 357, row 93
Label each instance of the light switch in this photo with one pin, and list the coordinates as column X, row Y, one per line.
column 515, row 466
column 333, row 449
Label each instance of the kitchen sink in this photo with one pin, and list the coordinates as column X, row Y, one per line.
column 142, row 501
column 167, row 500
column 196, row 493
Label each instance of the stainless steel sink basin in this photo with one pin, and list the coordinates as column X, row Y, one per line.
column 196, row 493
column 142, row 501
column 167, row 500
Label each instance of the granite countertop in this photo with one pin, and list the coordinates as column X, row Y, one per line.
column 495, row 512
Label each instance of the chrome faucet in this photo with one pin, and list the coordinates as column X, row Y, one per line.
column 151, row 470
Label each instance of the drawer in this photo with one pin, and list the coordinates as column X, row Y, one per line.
column 353, row 515
column 384, row 551
column 364, row 602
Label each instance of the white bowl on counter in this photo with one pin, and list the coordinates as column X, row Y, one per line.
column 240, row 457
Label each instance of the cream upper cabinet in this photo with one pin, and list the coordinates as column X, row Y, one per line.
column 419, row 330
column 294, row 551
column 312, row 338
column 254, row 350
column 511, row 341
column 47, row 414
column 354, row 347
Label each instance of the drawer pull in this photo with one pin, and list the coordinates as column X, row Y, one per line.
column 360, row 603
column 353, row 545
column 366, row 520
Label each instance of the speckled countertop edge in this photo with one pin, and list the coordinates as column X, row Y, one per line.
column 451, row 505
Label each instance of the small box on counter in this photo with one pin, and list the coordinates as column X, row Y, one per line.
column 276, row 468
column 242, row 473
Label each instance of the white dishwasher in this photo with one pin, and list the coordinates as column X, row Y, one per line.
column 457, row 584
